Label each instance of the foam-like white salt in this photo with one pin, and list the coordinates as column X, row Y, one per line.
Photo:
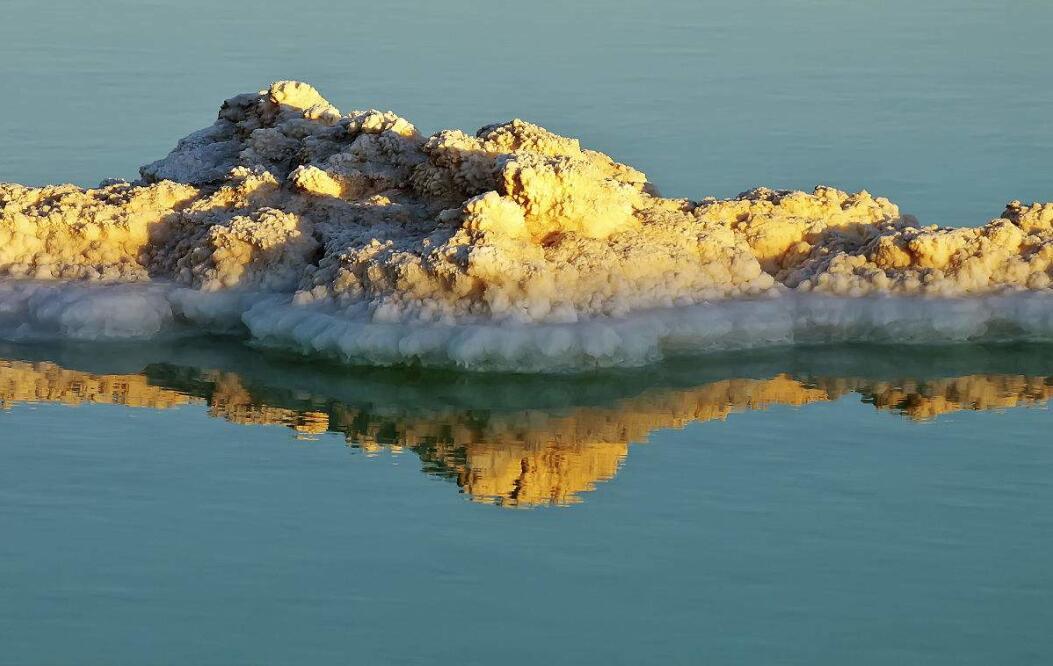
column 43, row 311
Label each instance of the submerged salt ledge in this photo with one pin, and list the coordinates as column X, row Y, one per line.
column 352, row 236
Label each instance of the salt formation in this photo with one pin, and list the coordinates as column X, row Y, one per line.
column 356, row 237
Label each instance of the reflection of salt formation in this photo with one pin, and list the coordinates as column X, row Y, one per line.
column 47, row 382
column 929, row 399
column 514, row 456
column 372, row 231
column 534, row 457
column 230, row 400
column 550, row 473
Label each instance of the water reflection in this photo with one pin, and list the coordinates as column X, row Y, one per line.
column 520, row 441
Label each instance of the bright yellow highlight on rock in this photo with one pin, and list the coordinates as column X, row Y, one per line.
column 515, row 222
column 355, row 237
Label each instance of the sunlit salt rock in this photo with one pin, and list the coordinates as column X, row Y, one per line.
column 362, row 218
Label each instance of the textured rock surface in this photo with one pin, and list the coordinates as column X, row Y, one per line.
column 362, row 217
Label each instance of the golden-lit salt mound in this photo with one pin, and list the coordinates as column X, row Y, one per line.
column 518, row 456
column 366, row 230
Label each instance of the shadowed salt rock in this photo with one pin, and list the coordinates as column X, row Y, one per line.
column 361, row 217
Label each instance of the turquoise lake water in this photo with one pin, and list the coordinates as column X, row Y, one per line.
column 942, row 105
column 203, row 503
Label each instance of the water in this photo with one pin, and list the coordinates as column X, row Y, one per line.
column 943, row 105
column 203, row 503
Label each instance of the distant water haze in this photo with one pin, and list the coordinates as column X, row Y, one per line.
column 942, row 106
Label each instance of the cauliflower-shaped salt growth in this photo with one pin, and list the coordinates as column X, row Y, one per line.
column 853, row 245
column 65, row 232
column 903, row 259
column 561, row 188
column 492, row 267
column 1036, row 218
column 491, row 213
column 518, row 136
column 245, row 192
column 663, row 263
column 460, row 166
column 379, row 122
column 782, row 226
column 298, row 96
column 265, row 250
column 286, row 116
column 265, row 129
column 381, row 151
column 324, row 182
column 566, row 195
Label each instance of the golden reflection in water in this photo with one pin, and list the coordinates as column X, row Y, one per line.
column 21, row 381
column 511, row 457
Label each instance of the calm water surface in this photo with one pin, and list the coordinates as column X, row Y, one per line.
column 199, row 503
column 941, row 105
column 202, row 503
